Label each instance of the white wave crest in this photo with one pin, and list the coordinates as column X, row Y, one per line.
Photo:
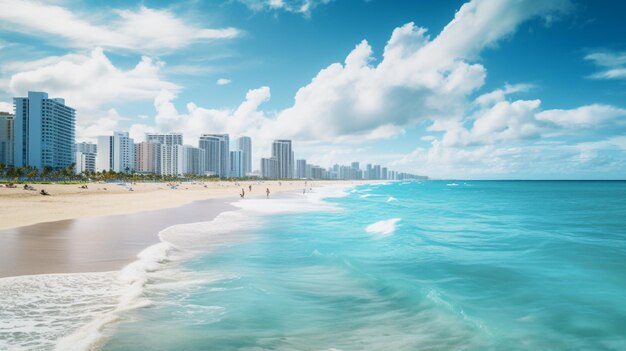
column 383, row 228
column 391, row 199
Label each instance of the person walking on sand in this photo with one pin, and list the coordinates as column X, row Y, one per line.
column 250, row 187
column 267, row 192
column 243, row 193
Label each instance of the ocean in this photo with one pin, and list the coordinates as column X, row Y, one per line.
column 415, row 265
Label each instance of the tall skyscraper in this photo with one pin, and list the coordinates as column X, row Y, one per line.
column 376, row 172
column 171, row 159
column 193, row 160
column 6, row 138
column 236, row 164
column 217, row 153
column 301, row 169
column 368, row 171
column 244, row 144
column 269, row 168
column 44, row 132
column 282, row 151
column 148, row 157
column 115, row 153
column 383, row 173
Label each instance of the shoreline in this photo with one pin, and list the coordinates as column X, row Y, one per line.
column 109, row 242
column 69, row 201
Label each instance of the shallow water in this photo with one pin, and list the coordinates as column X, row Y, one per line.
column 481, row 265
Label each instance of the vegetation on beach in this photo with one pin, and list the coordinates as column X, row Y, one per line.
column 47, row 175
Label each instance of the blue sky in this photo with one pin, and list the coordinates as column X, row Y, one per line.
column 450, row 89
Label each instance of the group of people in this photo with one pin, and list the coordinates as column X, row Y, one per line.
column 243, row 191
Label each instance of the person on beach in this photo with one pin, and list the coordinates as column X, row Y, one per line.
column 267, row 192
column 250, row 187
column 43, row 192
column 243, row 193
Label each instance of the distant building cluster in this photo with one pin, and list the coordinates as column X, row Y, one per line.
column 41, row 135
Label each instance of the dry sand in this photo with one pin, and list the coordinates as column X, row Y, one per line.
column 19, row 207
column 92, row 230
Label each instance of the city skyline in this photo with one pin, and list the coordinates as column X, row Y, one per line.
column 416, row 87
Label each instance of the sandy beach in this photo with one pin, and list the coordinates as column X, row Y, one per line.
column 104, row 227
column 67, row 201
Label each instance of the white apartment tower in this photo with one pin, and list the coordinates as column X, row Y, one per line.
column 43, row 132
column 115, row 153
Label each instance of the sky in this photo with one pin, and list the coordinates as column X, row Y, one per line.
column 481, row 89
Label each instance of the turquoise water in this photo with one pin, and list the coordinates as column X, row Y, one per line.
column 481, row 265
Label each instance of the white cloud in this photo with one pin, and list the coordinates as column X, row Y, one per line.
column 589, row 116
column 223, row 81
column 303, row 7
column 418, row 79
column 612, row 64
column 141, row 29
column 6, row 107
column 88, row 82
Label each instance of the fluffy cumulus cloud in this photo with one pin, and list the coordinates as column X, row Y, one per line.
column 419, row 78
column 88, row 82
column 6, row 107
column 141, row 29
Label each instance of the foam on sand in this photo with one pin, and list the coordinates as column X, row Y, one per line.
column 383, row 228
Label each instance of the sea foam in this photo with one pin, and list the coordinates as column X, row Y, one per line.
column 383, row 228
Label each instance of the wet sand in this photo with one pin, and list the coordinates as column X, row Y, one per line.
column 94, row 244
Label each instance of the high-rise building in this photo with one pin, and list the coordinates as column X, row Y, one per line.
column 84, row 147
column 282, row 151
column 301, row 169
column 376, row 172
column 116, row 153
column 43, row 132
column 383, row 173
column 165, row 138
column 193, row 160
column 269, row 168
column 236, row 164
column 368, row 171
column 244, row 144
column 85, row 157
column 217, row 153
column 85, row 162
column 6, row 138
column 148, row 157
column 171, row 159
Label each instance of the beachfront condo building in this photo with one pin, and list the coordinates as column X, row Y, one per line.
column 236, row 164
column 43, row 134
column 6, row 138
column 193, row 160
column 368, row 171
column 148, row 157
column 165, row 138
column 244, row 144
column 269, row 168
column 84, row 162
column 301, row 169
column 283, row 153
column 217, row 153
column 115, row 153
column 85, row 157
column 171, row 159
